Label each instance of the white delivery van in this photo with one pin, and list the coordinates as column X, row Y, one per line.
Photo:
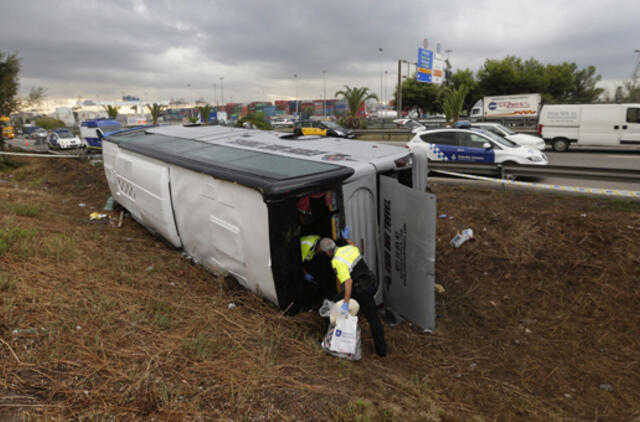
column 601, row 125
column 238, row 201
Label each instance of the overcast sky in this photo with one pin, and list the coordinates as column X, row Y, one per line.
column 162, row 49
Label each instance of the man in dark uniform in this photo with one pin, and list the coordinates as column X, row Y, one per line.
column 357, row 282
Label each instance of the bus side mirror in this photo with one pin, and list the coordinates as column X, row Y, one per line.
column 99, row 134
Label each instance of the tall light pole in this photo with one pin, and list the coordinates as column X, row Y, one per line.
column 295, row 86
column 385, row 91
column 381, row 51
column 215, row 95
column 324, row 92
column 222, row 89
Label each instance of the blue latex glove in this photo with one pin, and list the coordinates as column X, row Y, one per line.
column 344, row 309
column 346, row 233
column 308, row 277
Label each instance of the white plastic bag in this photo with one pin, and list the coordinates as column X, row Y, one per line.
column 325, row 311
column 345, row 335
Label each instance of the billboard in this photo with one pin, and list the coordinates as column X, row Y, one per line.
column 522, row 105
column 430, row 67
column 425, row 65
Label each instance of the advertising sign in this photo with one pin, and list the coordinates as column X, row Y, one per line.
column 438, row 69
column 525, row 105
column 425, row 65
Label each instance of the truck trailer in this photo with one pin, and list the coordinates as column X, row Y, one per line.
column 234, row 200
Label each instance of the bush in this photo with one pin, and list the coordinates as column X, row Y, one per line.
column 256, row 119
column 49, row 123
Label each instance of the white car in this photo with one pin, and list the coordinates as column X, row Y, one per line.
column 519, row 138
column 474, row 145
column 413, row 125
column 63, row 139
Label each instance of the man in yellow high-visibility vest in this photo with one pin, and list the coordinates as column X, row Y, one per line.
column 308, row 245
column 356, row 281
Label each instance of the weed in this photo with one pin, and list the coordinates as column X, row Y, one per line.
column 9, row 236
column 8, row 307
column 7, row 164
column 61, row 247
column 201, row 345
column 7, row 283
column 622, row 205
column 28, row 210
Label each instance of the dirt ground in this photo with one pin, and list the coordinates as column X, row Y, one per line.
column 539, row 319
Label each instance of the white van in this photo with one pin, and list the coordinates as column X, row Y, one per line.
column 234, row 200
column 601, row 125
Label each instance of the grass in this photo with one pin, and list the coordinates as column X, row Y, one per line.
column 110, row 324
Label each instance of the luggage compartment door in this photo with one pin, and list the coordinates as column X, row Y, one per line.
column 408, row 251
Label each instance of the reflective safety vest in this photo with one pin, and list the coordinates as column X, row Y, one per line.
column 344, row 261
column 308, row 246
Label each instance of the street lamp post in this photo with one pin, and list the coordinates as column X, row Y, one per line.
column 215, row 95
column 381, row 51
column 385, row 93
column 324, row 92
column 295, row 86
column 222, row 89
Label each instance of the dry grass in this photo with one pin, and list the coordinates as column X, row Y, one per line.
column 98, row 322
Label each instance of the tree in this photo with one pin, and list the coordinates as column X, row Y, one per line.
column 474, row 93
column 452, row 101
column 205, row 110
column 255, row 119
column 585, row 90
column 419, row 94
column 112, row 111
column 308, row 111
column 354, row 97
column 9, row 82
column 155, row 109
column 49, row 123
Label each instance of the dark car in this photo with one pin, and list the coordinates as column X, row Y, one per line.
column 321, row 127
column 39, row 135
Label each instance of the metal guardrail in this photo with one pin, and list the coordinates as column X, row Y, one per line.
column 520, row 170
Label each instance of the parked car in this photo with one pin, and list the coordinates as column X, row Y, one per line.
column 519, row 138
column 474, row 145
column 413, row 125
column 321, row 127
column 279, row 122
column 39, row 135
column 63, row 139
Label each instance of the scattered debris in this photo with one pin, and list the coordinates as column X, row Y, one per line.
column 443, row 215
column 97, row 216
column 231, row 305
column 567, row 395
column 460, row 238
column 439, row 288
column 82, row 205
column 108, row 206
column 606, row 387
column 473, row 365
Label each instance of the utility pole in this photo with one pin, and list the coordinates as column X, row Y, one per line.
column 222, row 89
column 634, row 77
column 324, row 92
column 380, row 50
column 295, row 84
column 399, row 99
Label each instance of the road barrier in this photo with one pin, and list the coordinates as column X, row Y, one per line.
column 574, row 189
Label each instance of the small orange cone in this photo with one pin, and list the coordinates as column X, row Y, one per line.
column 26, row 143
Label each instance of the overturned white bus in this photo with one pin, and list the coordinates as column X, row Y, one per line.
column 231, row 199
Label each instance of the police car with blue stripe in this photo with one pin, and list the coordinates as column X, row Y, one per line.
column 474, row 145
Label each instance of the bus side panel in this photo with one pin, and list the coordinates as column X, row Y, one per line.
column 225, row 227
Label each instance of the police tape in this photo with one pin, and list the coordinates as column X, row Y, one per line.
column 596, row 191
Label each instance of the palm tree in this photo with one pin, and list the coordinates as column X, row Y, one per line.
column 112, row 111
column 155, row 111
column 204, row 112
column 355, row 97
column 452, row 101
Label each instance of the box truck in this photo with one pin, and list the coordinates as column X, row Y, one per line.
column 234, row 200
column 499, row 107
column 601, row 125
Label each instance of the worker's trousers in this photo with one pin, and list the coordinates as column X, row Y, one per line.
column 364, row 296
